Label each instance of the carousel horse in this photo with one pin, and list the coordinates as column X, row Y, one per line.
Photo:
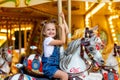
column 30, row 69
column 111, row 69
column 5, row 60
column 81, row 56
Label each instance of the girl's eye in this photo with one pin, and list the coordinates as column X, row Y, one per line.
column 48, row 29
column 53, row 29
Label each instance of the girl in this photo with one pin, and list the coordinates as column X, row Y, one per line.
column 50, row 58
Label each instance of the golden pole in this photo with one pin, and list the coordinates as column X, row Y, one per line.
column 7, row 35
column 19, row 38
column 69, row 19
column 25, row 38
column 59, row 11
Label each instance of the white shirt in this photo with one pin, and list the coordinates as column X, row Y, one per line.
column 48, row 49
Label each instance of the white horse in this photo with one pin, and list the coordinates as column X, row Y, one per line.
column 81, row 55
column 30, row 69
column 5, row 60
column 112, row 64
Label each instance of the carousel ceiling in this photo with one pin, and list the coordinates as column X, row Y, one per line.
column 15, row 15
column 26, row 15
column 42, row 11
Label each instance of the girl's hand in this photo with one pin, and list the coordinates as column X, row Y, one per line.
column 62, row 26
column 62, row 15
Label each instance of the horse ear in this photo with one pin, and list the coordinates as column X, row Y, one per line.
column 95, row 28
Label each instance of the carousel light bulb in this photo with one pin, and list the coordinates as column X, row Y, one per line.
column 87, row 16
column 86, row 19
column 110, row 18
column 110, row 22
column 113, row 34
column 13, row 38
column 113, row 17
column 109, row 6
column 111, row 26
column 114, row 38
column 112, row 30
column 87, row 22
column 116, row 16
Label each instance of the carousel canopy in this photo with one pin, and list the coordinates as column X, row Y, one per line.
column 26, row 3
column 13, row 12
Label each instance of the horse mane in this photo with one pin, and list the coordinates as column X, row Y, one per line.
column 67, row 54
column 72, row 46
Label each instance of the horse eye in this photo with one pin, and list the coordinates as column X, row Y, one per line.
column 91, row 48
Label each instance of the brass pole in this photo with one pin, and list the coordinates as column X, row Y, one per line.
column 25, row 38
column 10, row 44
column 19, row 38
column 7, row 35
column 69, row 18
column 13, row 41
column 59, row 11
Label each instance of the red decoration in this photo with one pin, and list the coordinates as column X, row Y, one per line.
column 105, row 76
column 97, row 47
column 30, row 64
column 40, row 69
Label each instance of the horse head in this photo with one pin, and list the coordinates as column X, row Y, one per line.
column 5, row 60
column 80, row 51
column 92, row 44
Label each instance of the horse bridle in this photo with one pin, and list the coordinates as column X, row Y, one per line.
column 83, row 47
column 116, row 50
column 84, row 44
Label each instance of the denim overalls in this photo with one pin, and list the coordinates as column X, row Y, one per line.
column 51, row 64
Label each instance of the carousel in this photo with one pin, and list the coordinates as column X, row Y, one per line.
column 92, row 51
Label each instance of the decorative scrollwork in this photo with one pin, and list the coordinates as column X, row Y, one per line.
column 27, row 2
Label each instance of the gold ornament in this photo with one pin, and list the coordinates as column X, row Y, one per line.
column 17, row 2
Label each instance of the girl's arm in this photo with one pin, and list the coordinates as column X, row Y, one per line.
column 65, row 24
column 68, row 34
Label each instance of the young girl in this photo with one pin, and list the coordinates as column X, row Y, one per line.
column 50, row 58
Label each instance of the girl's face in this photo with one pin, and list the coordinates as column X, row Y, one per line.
column 50, row 30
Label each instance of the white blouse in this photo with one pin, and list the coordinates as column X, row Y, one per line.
column 48, row 49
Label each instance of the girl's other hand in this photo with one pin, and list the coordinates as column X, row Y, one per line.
column 62, row 15
column 61, row 26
